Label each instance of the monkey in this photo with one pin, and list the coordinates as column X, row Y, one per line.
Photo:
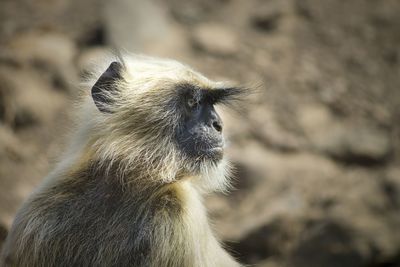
column 147, row 147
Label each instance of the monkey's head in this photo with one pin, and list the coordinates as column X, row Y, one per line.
column 159, row 116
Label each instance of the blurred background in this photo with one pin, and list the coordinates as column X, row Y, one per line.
column 316, row 150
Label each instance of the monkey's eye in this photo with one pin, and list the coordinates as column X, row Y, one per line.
column 192, row 103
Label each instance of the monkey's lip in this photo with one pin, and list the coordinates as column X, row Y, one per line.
column 216, row 151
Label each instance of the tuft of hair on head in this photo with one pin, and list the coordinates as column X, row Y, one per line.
column 231, row 96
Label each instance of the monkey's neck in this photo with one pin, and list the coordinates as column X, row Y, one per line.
column 174, row 211
column 89, row 168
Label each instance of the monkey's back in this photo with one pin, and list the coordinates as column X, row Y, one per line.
column 90, row 221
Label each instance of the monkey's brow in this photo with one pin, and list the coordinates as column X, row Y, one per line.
column 221, row 95
column 211, row 95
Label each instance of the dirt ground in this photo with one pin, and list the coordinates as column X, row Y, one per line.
column 316, row 148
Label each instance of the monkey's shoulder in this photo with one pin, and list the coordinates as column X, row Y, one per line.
column 107, row 200
column 80, row 220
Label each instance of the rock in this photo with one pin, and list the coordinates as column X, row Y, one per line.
column 265, row 128
column 326, row 243
column 364, row 144
column 391, row 187
column 310, row 210
column 6, row 100
column 272, row 239
column 53, row 48
column 10, row 146
column 51, row 53
column 265, row 17
column 192, row 12
column 32, row 100
column 278, row 188
column 266, row 22
column 3, row 235
column 89, row 58
column 215, row 39
column 357, row 144
column 75, row 18
column 348, row 142
column 271, row 262
column 314, row 119
column 143, row 26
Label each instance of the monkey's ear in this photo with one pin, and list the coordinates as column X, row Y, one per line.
column 105, row 87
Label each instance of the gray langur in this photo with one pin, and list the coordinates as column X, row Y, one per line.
column 128, row 192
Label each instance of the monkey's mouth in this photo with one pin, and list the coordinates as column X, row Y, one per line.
column 217, row 150
column 202, row 149
column 214, row 153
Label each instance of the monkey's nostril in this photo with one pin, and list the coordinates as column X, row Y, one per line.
column 217, row 126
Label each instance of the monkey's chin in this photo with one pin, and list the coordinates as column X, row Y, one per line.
column 211, row 155
column 216, row 153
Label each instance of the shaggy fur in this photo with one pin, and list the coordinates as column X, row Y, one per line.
column 124, row 194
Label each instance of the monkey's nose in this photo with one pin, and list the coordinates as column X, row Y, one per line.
column 217, row 125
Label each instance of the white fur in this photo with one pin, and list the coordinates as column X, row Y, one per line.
column 147, row 83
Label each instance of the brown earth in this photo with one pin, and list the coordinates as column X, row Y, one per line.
column 316, row 148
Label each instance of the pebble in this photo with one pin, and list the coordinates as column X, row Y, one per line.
column 215, row 39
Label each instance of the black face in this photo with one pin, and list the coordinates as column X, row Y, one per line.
column 200, row 133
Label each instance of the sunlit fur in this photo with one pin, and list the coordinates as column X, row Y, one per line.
column 132, row 149
column 148, row 86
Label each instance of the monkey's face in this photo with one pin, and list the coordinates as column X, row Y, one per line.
column 199, row 134
column 162, row 119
